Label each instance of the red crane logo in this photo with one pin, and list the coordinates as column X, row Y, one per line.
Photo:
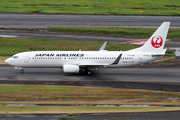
column 157, row 41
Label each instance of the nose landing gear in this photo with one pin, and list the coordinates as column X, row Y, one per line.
column 21, row 69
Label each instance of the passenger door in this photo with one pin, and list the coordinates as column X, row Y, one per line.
column 26, row 58
column 140, row 58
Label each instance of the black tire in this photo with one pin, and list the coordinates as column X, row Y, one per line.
column 21, row 71
column 88, row 72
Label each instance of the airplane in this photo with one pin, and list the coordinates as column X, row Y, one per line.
column 78, row 61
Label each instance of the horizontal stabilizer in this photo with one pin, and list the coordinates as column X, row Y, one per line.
column 163, row 53
column 155, row 55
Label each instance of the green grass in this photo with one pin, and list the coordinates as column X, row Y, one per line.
column 116, row 31
column 107, row 7
column 49, row 94
column 10, row 46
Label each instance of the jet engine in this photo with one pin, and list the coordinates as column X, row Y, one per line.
column 70, row 68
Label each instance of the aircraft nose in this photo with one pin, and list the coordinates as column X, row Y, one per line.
column 8, row 61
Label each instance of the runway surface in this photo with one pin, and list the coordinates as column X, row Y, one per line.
column 172, row 115
column 63, row 36
column 151, row 78
column 45, row 20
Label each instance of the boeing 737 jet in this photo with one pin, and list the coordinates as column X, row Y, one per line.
column 77, row 61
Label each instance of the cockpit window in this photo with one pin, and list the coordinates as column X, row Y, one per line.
column 15, row 57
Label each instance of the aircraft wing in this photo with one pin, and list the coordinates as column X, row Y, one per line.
column 92, row 64
column 102, row 64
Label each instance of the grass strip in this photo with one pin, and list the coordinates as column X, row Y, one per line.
column 2, row 59
column 77, row 109
column 49, row 94
column 11, row 46
column 116, row 31
column 93, row 7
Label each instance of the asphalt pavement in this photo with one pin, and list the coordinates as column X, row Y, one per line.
column 171, row 115
column 161, row 78
column 65, row 36
column 46, row 20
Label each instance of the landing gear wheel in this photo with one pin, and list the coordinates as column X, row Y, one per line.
column 22, row 71
column 88, row 72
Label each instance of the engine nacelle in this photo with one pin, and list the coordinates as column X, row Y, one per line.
column 70, row 68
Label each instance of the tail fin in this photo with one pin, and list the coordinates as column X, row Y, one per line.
column 156, row 42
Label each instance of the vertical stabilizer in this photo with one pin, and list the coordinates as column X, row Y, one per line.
column 157, row 41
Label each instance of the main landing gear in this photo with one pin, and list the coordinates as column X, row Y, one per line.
column 21, row 71
column 88, row 72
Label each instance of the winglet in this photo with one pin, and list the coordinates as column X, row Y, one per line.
column 103, row 46
column 117, row 60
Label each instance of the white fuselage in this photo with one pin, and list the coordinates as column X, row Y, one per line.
column 56, row 59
